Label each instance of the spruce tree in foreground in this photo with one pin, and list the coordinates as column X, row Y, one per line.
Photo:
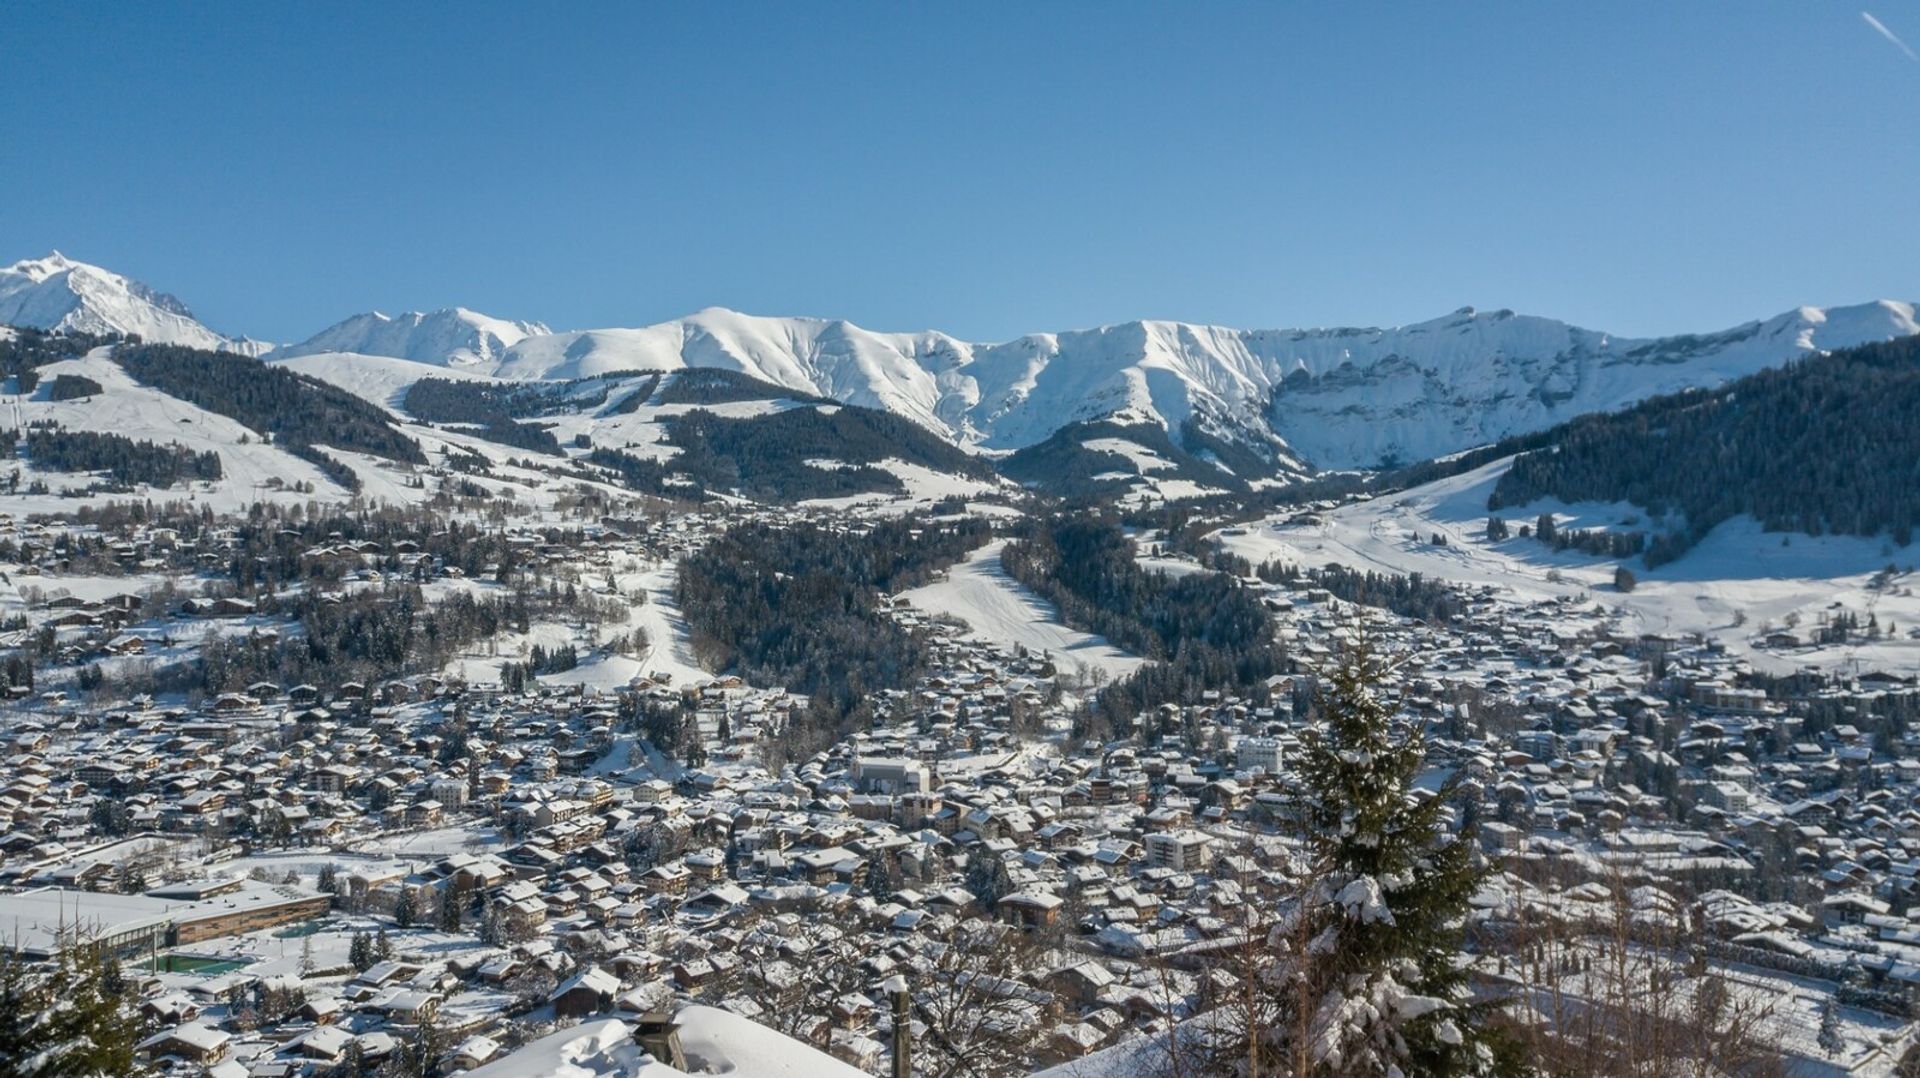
column 70, row 1017
column 1367, row 964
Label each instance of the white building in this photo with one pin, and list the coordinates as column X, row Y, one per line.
column 890, row 775
column 1258, row 754
column 1181, row 851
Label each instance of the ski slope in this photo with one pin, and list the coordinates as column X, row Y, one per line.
column 1001, row 610
column 251, row 469
column 669, row 649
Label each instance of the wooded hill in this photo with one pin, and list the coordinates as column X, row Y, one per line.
column 1829, row 444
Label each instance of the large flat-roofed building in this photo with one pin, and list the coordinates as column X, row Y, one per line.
column 42, row 922
column 234, row 907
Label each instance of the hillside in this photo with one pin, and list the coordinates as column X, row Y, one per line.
column 230, row 464
column 1825, row 445
column 698, row 432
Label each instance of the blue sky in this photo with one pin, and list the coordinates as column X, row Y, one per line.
column 980, row 168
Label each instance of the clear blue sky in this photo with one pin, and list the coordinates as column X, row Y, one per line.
column 984, row 169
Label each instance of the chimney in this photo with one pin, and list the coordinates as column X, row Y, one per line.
column 659, row 1036
column 896, row 989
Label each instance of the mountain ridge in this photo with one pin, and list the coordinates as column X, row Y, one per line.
column 61, row 294
column 1279, row 402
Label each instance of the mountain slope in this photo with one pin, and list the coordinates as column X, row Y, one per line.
column 58, row 293
column 252, row 468
column 1825, row 445
column 1355, row 398
column 1251, row 401
column 695, row 431
column 1247, row 407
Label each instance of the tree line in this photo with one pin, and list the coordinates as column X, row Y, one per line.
column 299, row 412
column 1202, row 631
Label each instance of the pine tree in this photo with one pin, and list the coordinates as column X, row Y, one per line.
column 883, row 876
column 382, row 946
column 406, row 910
column 1366, row 958
column 360, row 952
column 987, row 878
column 70, row 1018
column 449, row 909
column 1829, row 1039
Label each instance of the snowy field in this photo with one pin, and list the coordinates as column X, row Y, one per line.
column 1736, row 584
column 652, row 610
column 924, row 486
column 1000, row 609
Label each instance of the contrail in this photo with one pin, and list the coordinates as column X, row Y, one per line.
column 1881, row 29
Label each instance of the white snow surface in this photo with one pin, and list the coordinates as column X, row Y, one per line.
column 716, row 1042
column 58, row 293
column 1002, row 610
column 454, row 337
column 1339, row 398
column 384, row 380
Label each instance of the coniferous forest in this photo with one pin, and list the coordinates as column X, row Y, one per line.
column 1203, row 630
column 122, row 459
column 801, row 606
column 1823, row 445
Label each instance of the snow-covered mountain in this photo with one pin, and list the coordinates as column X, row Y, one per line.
column 455, row 337
column 1339, row 398
column 58, row 293
column 1350, row 398
column 1252, row 403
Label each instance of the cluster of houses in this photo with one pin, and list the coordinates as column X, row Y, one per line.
column 529, row 861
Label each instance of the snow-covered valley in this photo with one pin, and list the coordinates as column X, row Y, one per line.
column 1736, row 586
